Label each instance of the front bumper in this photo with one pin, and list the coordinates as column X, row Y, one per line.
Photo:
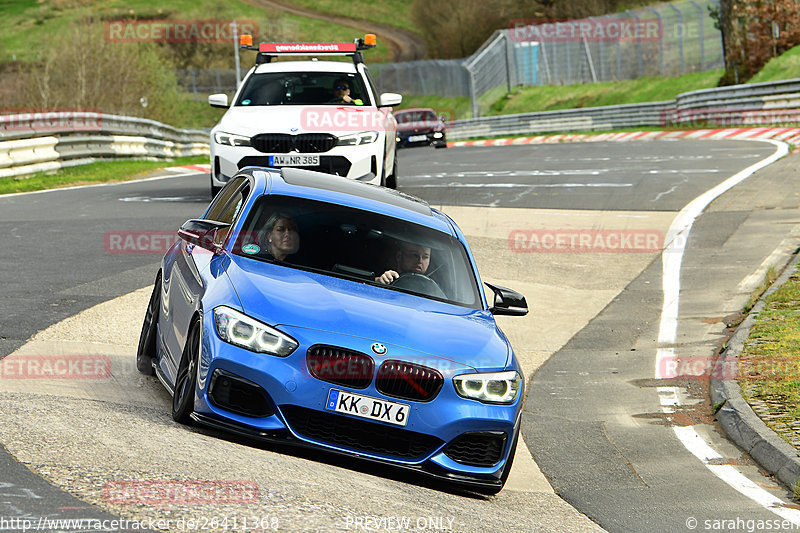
column 353, row 162
column 432, row 138
column 436, row 440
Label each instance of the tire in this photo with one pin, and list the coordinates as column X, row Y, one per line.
column 186, row 379
column 148, row 339
column 391, row 179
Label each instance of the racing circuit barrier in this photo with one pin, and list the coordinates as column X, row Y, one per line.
column 774, row 104
column 44, row 142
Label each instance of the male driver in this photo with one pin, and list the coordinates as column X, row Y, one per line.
column 341, row 93
column 410, row 258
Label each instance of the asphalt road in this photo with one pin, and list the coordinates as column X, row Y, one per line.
column 611, row 457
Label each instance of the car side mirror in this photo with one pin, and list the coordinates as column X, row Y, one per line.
column 390, row 99
column 218, row 100
column 202, row 233
column 507, row 302
column 443, row 118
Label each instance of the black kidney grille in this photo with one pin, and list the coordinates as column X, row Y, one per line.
column 282, row 143
column 340, row 366
column 408, row 381
column 477, row 449
column 359, row 435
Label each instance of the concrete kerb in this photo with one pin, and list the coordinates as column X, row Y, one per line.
column 740, row 423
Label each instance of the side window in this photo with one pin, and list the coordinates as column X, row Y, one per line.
column 229, row 210
column 221, row 200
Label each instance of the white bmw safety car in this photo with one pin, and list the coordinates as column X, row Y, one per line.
column 319, row 115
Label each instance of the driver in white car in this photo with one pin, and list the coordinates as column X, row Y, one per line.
column 409, row 258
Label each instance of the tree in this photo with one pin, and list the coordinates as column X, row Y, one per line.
column 753, row 32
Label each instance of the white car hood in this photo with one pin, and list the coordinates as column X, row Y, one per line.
column 338, row 120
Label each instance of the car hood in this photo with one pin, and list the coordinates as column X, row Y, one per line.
column 338, row 120
column 291, row 298
column 418, row 126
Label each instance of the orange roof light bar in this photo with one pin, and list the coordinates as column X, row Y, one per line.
column 370, row 39
column 245, row 40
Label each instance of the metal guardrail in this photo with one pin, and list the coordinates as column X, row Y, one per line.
column 774, row 104
column 42, row 142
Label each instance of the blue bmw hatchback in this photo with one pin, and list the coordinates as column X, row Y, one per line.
column 326, row 312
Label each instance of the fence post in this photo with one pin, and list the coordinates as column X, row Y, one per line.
column 680, row 34
column 660, row 42
column 702, row 35
column 194, row 83
column 640, row 53
column 508, row 63
column 589, row 59
column 472, row 95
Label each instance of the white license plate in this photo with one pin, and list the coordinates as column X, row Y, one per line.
column 294, row 160
column 417, row 138
column 366, row 407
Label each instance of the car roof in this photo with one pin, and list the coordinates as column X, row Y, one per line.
column 344, row 67
column 352, row 193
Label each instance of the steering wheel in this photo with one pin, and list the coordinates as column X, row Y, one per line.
column 419, row 283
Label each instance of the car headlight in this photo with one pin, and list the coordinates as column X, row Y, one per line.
column 231, row 139
column 241, row 330
column 356, row 139
column 494, row 387
column 437, row 135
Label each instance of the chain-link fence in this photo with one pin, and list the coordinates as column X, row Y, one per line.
column 662, row 40
column 443, row 77
column 201, row 82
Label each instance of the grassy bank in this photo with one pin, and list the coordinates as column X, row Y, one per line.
column 554, row 97
column 769, row 366
column 99, row 172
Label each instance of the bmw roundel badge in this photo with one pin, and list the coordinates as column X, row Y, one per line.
column 379, row 348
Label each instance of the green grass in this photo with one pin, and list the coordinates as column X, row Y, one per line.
column 387, row 12
column 554, row 97
column 783, row 67
column 98, row 172
column 769, row 366
column 197, row 114
column 26, row 25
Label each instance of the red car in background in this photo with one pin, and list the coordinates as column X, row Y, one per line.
column 420, row 127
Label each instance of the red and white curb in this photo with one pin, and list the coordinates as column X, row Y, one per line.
column 190, row 168
column 788, row 135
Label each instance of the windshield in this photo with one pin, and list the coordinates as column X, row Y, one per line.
column 303, row 88
column 404, row 117
column 359, row 245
